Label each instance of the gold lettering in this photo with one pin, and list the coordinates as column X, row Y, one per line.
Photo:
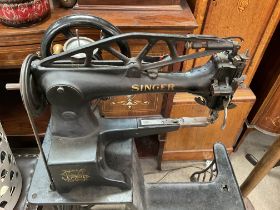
column 156, row 87
column 171, row 86
column 162, row 86
column 153, row 87
column 135, row 87
column 148, row 87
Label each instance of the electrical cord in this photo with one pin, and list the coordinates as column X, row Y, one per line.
column 167, row 172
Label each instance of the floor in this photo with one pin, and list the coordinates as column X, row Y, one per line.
column 266, row 196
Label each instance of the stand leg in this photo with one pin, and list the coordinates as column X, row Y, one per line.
column 270, row 158
column 161, row 139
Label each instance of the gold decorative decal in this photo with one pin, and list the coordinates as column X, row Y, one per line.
column 75, row 175
column 242, row 5
column 152, row 87
column 130, row 102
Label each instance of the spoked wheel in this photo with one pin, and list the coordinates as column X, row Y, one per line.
column 68, row 26
column 33, row 99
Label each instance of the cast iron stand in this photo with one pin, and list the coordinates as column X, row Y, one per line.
column 220, row 193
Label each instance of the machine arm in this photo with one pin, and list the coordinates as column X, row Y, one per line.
column 70, row 84
column 214, row 81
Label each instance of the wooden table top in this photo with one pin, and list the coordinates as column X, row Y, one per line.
column 173, row 21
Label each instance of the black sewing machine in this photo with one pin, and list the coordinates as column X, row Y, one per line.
column 87, row 159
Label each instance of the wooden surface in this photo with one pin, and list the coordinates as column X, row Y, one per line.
column 182, row 20
column 268, row 117
column 196, row 143
column 133, row 5
column 253, row 20
column 262, row 45
column 129, row 2
column 17, row 43
column 270, row 158
column 199, row 8
column 132, row 105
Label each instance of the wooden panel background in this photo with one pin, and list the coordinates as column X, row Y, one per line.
column 265, row 113
column 269, row 117
column 253, row 20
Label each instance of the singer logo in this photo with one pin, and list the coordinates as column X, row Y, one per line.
column 153, row 87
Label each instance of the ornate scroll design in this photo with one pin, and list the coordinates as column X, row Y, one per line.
column 130, row 102
column 75, row 175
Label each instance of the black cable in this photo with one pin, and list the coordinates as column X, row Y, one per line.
column 167, row 172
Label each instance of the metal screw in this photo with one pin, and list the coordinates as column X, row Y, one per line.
column 60, row 90
column 225, row 188
column 33, row 65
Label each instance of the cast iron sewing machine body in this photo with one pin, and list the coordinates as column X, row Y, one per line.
column 77, row 141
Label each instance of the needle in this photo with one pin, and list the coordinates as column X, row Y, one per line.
column 225, row 104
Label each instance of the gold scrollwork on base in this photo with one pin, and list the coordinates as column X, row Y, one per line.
column 75, row 175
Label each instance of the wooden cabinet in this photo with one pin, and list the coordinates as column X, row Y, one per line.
column 254, row 21
column 267, row 119
column 265, row 114
column 174, row 17
column 196, row 143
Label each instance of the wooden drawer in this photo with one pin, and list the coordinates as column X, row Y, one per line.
column 196, row 143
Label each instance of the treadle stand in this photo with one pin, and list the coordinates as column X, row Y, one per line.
column 220, row 193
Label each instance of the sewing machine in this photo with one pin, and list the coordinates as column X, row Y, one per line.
column 87, row 159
